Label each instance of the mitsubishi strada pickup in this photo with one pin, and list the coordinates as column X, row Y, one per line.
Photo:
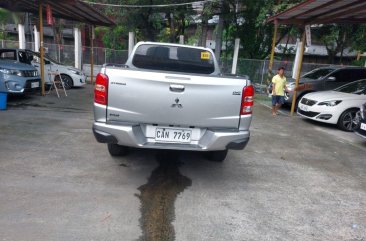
column 170, row 96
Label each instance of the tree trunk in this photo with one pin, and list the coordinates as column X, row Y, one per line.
column 218, row 40
column 148, row 25
column 57, row 36
column 342, row 46
column 331, row 57
column 204, row 32
column 172, row 28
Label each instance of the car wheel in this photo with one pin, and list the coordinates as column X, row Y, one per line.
column 348, row 121
column 298, row 100
column 217, row 156
column 117, row 150
column 67, row 80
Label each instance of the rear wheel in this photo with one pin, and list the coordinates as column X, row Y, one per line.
column 117, row 150
column 348, row 121
column 217, row 156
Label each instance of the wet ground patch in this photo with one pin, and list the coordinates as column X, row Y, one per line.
column 158, row 196
column 24, row 105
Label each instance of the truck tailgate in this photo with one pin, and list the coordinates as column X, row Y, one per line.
column 173, row 99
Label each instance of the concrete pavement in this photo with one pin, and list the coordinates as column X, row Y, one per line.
column 296, row 180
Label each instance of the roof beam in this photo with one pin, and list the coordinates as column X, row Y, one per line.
column 319, row 7
column 332, row 17
column 67, row 9
column 323, row 12
column 351, row 20
column 273, row 18
column 359, row 14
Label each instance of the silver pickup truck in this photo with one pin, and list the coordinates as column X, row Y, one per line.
column 170, row 96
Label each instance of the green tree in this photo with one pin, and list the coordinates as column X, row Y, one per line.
column 153, row 24
column 359, row 38
column 248, row 22
column 337, row 37
column 5, row 16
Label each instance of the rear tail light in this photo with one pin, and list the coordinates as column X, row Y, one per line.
column 247, row 100
column 101, row 89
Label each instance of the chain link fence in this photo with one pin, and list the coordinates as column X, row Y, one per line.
column 257, row 70
column 104, row 55
column 65, row 54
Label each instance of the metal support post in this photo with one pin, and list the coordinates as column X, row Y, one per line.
column 92, row 55
column 271, row 59
column 41, row 49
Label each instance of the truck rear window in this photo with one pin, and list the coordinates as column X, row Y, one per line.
column 173, row 58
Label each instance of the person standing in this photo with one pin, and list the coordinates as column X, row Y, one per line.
column 278, row 87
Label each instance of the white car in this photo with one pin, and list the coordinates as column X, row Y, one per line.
column 340, row 106
column 72, row 77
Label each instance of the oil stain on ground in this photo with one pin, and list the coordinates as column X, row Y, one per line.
column 158, row 196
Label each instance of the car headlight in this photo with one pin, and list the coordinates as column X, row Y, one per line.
column 330, row 103
column 75, row 71
column 11, row 71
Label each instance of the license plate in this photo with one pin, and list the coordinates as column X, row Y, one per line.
column 363, row 126
column 34, row 84
column 173, row 135
column 303, row 107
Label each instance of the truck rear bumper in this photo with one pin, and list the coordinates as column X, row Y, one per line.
column 133, row 136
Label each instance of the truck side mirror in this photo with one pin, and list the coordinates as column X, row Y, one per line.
column 331, row 78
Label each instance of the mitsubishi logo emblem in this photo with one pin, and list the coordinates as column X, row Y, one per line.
column 177, row 104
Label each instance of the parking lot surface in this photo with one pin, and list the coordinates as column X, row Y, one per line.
column 296, row 180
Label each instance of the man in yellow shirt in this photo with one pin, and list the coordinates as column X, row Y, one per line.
column 278, row 87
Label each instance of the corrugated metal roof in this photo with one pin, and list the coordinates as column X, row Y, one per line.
column 67, row 9
column 322, row 12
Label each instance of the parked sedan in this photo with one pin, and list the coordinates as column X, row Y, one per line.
column 72, row 77
column 361, row 131
column 321, row 79
column 340, row 106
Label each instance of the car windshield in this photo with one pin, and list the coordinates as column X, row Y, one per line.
column 46, row 57
column 51, row 59
column 317, row 73
column 357, row 87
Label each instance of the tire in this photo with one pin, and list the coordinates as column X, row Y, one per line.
column 348, row 121
column 47, row 87
column 298, row 100
column 117, row 150
column 68, row 82
column 217, row 156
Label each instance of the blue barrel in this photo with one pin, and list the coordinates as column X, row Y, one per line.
column 3, row 100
